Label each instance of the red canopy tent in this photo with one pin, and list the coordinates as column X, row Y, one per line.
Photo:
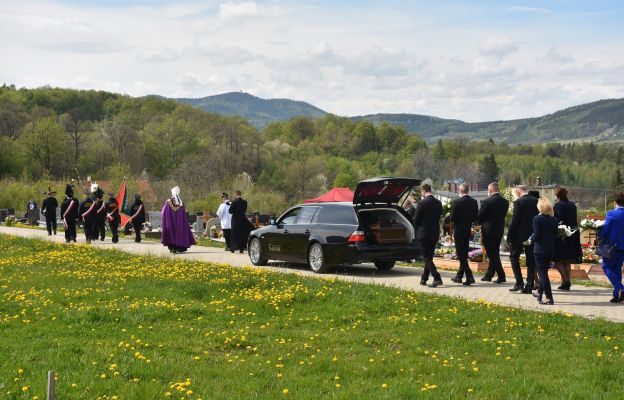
column 336, row 194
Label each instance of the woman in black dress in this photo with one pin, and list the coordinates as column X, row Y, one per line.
column 568, row 250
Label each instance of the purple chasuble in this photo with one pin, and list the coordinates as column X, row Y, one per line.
column 175, row 228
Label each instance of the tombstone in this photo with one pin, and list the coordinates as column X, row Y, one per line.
column 155, row 219
column 33, row 216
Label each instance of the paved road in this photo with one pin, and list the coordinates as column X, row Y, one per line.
column 590, row 302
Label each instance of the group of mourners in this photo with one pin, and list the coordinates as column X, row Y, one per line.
column 93, row 212
column 533, row 231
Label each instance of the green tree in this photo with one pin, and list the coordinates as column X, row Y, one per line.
column 345, row 180
column 617, row 181
column 488, row 170
column 46, row 140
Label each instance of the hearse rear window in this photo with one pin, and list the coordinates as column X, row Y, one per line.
column 337, row 215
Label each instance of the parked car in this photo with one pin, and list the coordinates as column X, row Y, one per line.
column 373, row 228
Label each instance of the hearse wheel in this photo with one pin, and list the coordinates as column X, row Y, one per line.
column 256, row 254
column 384, row 265
column 316, row 259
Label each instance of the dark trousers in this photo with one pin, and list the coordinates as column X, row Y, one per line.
column 613, row 270
column 114, row 227
column 88, row 229
column 51, row 222
column 227, row 235
column 137, row 230
column 514, row 256
column 541, row 262
column 99, row 229
column 492, row 248
column 461, row 249
column 70, row 230
column 427, row 248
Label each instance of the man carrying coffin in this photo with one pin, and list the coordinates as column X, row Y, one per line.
column 520, row 230
column 463, row 213
column 491, row 217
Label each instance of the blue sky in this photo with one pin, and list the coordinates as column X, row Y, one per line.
column 473, row 60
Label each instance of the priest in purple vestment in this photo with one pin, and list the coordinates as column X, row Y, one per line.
column 176, row 233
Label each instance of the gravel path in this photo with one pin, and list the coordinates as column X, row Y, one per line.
column 586, row 301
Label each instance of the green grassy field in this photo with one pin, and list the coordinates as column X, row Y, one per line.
column 119, row 326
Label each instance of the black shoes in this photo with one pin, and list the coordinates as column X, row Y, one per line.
column 469, row 281
column 618, row 299
column 565, row 286
column 527, row 289
column 500, row 280
column 517, row 288
column 436, row 284
column 548, row 302
column 486, row 279
column 456, row 279
column 423, row 282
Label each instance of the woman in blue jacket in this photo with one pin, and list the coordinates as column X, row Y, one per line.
column 612, row 232
column 544, row 236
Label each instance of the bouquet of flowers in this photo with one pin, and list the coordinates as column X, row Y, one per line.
column 591, row 224
column 446, row 208
column 589, row 254
column 475, row 255
column 564, row 231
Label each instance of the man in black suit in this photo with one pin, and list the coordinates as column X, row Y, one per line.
column 520, row 230
column 409, row 207
column 491, row 217
column 463, row 213
column 427, row 226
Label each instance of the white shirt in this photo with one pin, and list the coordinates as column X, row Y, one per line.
column 225, row 216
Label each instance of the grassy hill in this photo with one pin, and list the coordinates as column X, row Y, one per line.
column 600, row 121
column 259, row 112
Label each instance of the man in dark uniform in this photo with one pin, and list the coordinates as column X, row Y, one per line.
column 112, row 215
column 520, row 230
column 99, row 227
column 69, row 213
column 427, row 225
column 137, row 217
column 491, row 217
column 240, row 224
column 88, row 213
column 48, row 208
column 463, row 213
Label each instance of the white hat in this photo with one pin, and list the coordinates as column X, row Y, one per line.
column 175, row 194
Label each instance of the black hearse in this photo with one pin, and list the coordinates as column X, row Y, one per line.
column 374, row 228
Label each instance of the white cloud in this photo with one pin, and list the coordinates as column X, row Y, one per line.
column 359, row 59
column 499, row 47
column 530, row 10
column 238, row 9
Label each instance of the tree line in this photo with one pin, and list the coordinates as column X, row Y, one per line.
column 47, row 132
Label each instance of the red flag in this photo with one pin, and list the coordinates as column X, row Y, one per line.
column 122, row 200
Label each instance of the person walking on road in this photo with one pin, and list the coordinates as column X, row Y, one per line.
column 463, row 213
column 427, row 225
column 223, row 212
column 520, row 229
column 491, row 217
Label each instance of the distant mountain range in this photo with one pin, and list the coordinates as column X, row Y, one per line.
column 259, row 112
column 599, row 121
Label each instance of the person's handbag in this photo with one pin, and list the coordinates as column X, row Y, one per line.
column 608, row 250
